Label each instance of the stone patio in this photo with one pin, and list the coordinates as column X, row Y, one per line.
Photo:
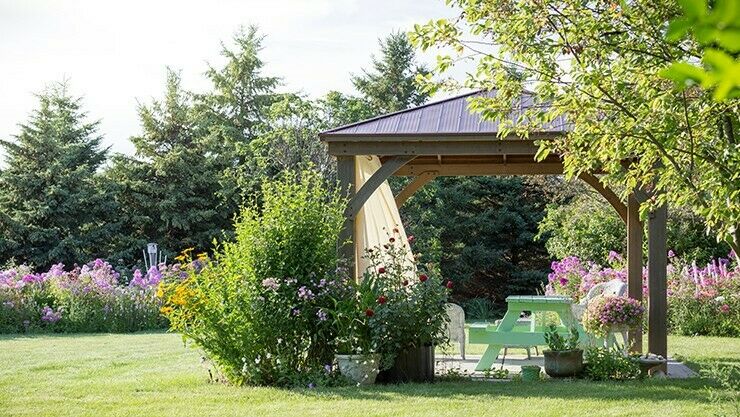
column 515, row 361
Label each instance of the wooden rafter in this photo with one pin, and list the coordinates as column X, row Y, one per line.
column 418, row 182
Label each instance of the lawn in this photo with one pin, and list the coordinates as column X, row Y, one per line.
column 154, row 374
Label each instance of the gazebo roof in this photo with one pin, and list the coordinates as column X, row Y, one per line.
column 448, row 117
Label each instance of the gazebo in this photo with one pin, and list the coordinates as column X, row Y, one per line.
column 444, row 138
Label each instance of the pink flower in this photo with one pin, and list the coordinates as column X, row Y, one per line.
column 724, row 309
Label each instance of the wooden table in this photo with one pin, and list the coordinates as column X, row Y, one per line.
column 508, row 333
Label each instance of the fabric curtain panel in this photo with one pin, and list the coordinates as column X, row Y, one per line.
column 378, row 217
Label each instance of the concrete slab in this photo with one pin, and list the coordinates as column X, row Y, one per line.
column 514, row 363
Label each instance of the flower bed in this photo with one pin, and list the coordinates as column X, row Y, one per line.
column 89, row 298
column 701, row 300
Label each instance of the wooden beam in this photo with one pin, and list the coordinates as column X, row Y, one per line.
column 345, row 245
column 439, row 147
column 414, row 186
column 608, row 194
column 657, row 282
column 483, row 169
column 368, row 188
column 634, row 263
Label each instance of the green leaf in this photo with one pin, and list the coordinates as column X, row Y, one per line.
column 677, row 29
column 729, row 39
column 694, row 8
column 682, row 72
column 727, row 12
column 718, row 59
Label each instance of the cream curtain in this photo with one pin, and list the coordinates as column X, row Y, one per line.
column 378, row 217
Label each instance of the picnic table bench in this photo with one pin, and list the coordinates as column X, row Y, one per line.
column 509, row 333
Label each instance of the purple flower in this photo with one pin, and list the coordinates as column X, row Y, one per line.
column 614, row 256
column 296, row 312
column 270, row 283
column 305, row 294
column 321, row 314
column 49, row 316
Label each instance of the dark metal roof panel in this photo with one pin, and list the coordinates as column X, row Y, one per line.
column 450, row 116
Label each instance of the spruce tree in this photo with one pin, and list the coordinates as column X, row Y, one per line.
column 54, row 207
column 391, row 83
column 169, row 192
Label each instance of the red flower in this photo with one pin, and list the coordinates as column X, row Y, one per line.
column 411, row 239
column 393, row 239
column 449, row 284
column 423, row 277
column 369, row 312
column 381, row 299
column 405, row 282
column 381, row 270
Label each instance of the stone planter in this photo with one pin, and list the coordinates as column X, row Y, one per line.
column 361, row 369
column 411, row 365
column 648, row 364
column 530, row 373
column 563, row 364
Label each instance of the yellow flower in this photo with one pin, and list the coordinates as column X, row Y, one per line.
column 160, row 290
column 165, row 310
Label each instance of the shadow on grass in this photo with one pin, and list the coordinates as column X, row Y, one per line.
column 41, row 335
column 699, row 365
column 652, row 390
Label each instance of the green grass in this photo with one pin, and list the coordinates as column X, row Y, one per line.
column 153, row 374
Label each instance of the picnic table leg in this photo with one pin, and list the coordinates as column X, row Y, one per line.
column 567, row 318
column 489, row 356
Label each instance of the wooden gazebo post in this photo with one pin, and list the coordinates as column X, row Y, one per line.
column 346, row 245
column 657, row 282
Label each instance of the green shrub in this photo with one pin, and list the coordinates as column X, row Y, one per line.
column 557, row 342
column 259, row 307
column 603, row 364
column 480, row 309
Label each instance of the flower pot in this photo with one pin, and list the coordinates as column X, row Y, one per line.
column 411, row 365
column 361, row 369
column 530, row 373
column 564, row 363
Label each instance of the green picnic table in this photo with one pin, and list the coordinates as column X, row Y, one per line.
column 509, row 333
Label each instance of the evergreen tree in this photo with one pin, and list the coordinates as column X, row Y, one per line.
column 169, row 193
column 53, row 205
column 481, row 230
column 291, row 143
column 391, row 84
column 235, row 112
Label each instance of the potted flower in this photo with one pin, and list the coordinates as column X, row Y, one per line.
column 411, row 313
column 563, row 359
column 353, row 316
column 612, row 314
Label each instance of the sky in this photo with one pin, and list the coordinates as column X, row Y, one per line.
column 114, row 53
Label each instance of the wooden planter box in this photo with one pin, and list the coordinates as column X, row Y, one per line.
column 412, row 365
